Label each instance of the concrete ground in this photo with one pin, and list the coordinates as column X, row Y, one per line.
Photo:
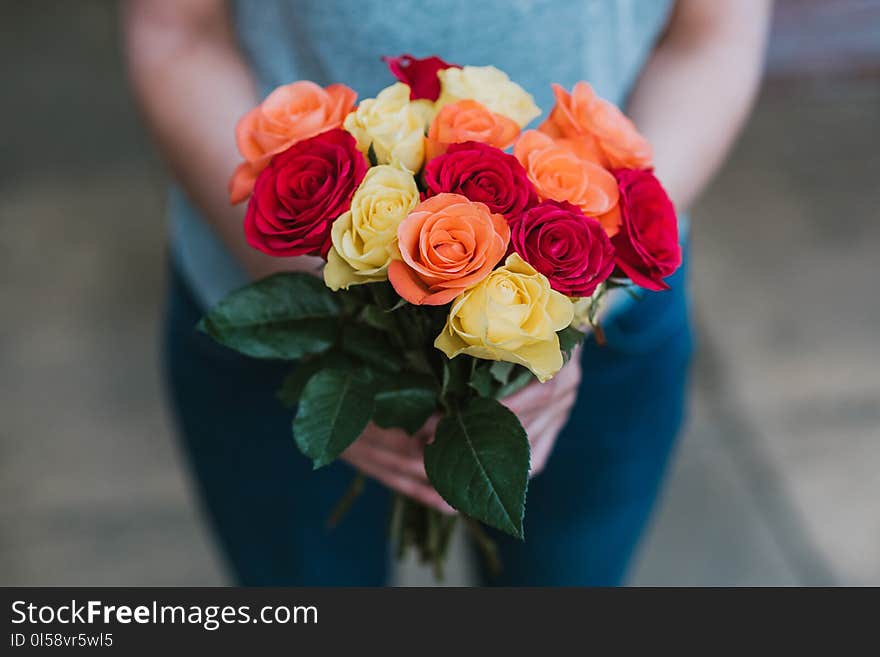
column 777, row 478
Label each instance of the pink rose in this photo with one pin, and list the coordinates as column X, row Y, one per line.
column 301, row 192
column 571, row 249
column 483, row 174
column 647, row 245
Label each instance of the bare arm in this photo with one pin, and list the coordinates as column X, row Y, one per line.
column 698, row 87
column 690, row 103
column 192, row 86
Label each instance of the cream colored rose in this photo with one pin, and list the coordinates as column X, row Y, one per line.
column 583, row 306
column 392, row 125
column 365, row 238
column 426, row 109
column 511, row 315
column 586, row 306
column 489, row 87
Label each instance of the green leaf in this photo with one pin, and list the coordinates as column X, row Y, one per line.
column 372, row 315
column 479, row 463
column 371, row 155
column 284, row 316
column 482, row 380
column 501, row 370
column 456, row 372
column 521, row 378
column 295, row 382
column 350, row 301
column 334, row 408
column 398, row 305
column 382, row 294
column 569, row 338
column 372, row 347
column 406, row 402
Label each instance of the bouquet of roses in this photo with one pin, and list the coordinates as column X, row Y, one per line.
column 456, row 272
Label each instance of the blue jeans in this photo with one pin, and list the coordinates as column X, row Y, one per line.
column 584, row 513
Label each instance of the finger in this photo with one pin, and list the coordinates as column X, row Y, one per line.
column 364, row 459
column 391, row 465
column 526, row 395
column 558, row 412
column 426, row 433
column 534, row 398
column 569, row 376
column 393, row 440
column 537, row 454
column 525, row 402
column 558, row 404
column 389, row 459
column 406, row 485
column 543, row 433
column 544, row 447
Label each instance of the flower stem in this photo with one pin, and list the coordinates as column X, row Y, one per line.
column 446, row 525
column 395, row 526
column 354, row 490
column 429, row 531
column 486, row 546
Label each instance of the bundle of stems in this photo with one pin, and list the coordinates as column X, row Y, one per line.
column 412, row 525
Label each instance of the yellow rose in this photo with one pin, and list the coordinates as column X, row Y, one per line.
column 489, row 87
column 511, row 315
column 426, row 109
column 394, row 126
column 583, row 306
column 365, row 237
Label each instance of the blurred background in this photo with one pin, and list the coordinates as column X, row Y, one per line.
column 776, row 481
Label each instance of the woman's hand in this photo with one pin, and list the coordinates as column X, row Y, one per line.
column 397, row 460
column 543, row 409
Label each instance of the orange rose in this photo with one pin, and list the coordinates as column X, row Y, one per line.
column 289, row 114
column 586, row 149
column 559, row 173
column 447, row 244
column 583, row 115
column 468, row 120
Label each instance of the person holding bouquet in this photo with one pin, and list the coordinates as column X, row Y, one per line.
column 603, row 428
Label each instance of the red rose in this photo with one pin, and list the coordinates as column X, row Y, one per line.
column 482, row 174
column 419, row 74
column 571, row 249
column 301, row 192
column 646, row 247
